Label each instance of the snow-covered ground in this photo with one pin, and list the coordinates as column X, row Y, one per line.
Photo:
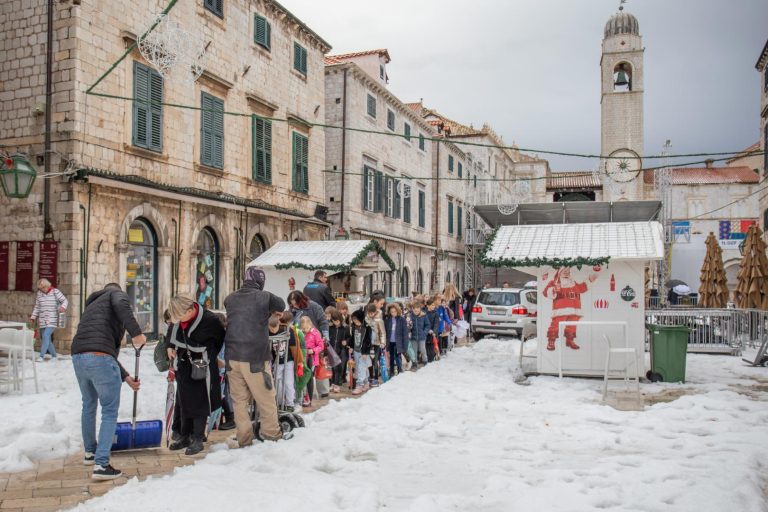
column 458, row 435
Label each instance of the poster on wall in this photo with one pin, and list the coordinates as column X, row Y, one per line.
column 49, row 261
column 610, row 295
column 5, row 249
column 25, row 264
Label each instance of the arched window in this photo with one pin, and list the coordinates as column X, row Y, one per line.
column 141, row 274
column 257, row 247
column 458, row 281
column 404, row 283
column 622, row 77
column 420, row 281
column 207, row 269
column 448, row 277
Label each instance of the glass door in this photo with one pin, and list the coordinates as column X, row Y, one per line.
column 141, row 275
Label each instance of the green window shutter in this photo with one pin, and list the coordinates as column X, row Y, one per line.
column 215, row 6
column 407, row 131
column 299, row 58
column 366, row 173
column 461, row 170
column 378, row 192
column 140, row 105
column 475, row 180
column 262, row 34
column 371, row 106
column 450, row 217
column 391, row 120
column 460, row 219
column 421, row 141
column 212, row 132
column 407, row 206
column 156, row 111
column 396, row 213
column 262, row 150
column 450, row 163
column 422, row 208
column 305, row 164
column 300, row 163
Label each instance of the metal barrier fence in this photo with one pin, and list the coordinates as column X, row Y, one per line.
column 715, row 330
column 685, row 302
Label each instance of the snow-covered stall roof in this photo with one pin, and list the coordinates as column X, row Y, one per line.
column 330, row 255
column 566, row 245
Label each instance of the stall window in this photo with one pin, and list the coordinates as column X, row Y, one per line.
column 207, row 269
column 141, row 275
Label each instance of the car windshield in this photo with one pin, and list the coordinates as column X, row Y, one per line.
column 499, row 298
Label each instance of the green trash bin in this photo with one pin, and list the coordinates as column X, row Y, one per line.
column 669, row 348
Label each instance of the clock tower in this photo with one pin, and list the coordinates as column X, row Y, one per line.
column 621, row 108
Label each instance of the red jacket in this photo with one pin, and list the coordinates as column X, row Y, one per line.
column 565, row 301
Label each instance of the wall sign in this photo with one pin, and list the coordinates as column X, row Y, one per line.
column 5, row 249
column 628, row 294
column 49, row 261
column 25, row 264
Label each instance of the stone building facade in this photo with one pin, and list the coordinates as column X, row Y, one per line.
column 168, row 200
column 379, row 170
column 762, row 68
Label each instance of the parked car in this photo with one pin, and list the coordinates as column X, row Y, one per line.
column 504, row 312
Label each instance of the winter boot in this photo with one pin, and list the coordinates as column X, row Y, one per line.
column 182, row 442
column 571, row 344
column 195, row 447
column 551, row 345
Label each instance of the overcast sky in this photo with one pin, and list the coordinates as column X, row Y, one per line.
column 531, row 67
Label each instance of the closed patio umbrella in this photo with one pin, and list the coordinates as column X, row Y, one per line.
column 752, row 279
column 713, row 290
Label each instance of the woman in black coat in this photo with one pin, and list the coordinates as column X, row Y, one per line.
column 196, row 337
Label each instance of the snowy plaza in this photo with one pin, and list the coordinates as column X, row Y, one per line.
column 479, row 443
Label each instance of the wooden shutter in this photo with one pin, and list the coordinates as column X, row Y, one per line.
column 262, row 32
column 156, row 111
column 450, row 217
column 262, row 150
column 378, row 192
column 396, row 208
column 299, row 58
column 390, row 120
column 407, row 131
column 366, row 173
column 450, row 163
column 212, row 132
column 140, row 105
column 460, row 219
column 407, row 206
column 371, row 106
column 300, row 163
column 305, row 164
column 461, row 170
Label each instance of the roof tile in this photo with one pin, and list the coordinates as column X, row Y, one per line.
column 708, row 175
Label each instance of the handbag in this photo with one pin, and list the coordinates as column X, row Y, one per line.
column 322, row 372
column 411, row 353
column 199, row 368
column 333, row 358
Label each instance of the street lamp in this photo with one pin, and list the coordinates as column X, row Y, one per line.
column 17, row 176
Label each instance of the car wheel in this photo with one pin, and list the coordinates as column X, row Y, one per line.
column 477, row 336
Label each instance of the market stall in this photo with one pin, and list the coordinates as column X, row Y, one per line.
column 590, row 277
column 291, row 265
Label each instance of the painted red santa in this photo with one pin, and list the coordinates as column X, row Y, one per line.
column 565, row 293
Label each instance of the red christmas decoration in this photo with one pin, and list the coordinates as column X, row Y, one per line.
column 597, row 268
column 601, row 304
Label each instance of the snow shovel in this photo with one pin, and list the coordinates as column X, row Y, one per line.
column 137, row 434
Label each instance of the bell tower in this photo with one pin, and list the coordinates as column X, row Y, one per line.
column 621, row 108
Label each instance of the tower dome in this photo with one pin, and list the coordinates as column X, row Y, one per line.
column 622, row 23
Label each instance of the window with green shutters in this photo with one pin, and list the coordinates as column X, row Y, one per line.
column 461, row 170
column 390, row 120
column 215, row 6
column 407, row 131
column 389, row 197
column 371, row 104
column 450, row 163
column 459, row 220
column 422, row 209
column 262, row 32
column 450, row 217
column 300, row 163
column 407, row 204
column 475, row 180
column 300, row 58
column 147, row 108
column 212, row 131
column 262, row 150
column 369, row 188
column 421, row 142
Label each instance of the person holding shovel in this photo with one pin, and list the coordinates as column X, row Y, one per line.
column 95, row 347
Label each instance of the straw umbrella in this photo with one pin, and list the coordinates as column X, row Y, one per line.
column 752, row 279
column 713, row 291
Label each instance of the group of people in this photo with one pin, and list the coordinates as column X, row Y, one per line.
column 329, row 346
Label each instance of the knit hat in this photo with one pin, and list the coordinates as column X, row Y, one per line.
column 255, row 277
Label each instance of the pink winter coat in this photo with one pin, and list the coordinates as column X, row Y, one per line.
column 314, row 341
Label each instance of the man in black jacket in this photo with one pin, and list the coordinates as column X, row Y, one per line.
column 318, row 290
column 248, row 352
column 95, row 347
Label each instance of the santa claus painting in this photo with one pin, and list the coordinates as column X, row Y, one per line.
column 565, row 293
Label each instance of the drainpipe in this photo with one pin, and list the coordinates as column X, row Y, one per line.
column 47, row 228
column 343, row 146
column 436, row 237
column 83, row 252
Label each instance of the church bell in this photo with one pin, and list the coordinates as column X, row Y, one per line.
column 621, row 78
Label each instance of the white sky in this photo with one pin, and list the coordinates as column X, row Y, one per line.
column 531, row 68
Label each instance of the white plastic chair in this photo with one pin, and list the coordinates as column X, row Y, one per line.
column 627, row 363
column 20, row 346
column 9, row 376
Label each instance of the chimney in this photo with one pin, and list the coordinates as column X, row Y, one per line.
column 708, row 162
